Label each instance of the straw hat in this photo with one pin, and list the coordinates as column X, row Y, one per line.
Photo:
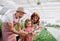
column 20, row 9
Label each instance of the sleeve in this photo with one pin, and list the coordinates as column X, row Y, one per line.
column 9, row 19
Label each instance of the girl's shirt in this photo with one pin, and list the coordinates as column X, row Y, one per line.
column 28, row 36
column 29, row 30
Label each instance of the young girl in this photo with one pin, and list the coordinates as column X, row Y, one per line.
column 28, row 29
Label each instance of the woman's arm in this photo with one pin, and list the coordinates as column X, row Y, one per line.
column 39, row 28
column 39, row 24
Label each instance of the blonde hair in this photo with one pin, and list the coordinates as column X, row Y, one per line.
column 26, row 21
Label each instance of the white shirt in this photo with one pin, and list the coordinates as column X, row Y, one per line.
column 10, row 18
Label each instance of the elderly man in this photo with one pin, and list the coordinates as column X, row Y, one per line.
column 8, row 31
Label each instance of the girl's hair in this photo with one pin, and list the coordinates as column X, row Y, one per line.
column 33, row 15
column 26, row 21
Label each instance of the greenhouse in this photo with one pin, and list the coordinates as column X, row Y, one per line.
column 22, row 10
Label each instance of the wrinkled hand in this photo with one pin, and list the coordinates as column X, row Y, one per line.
column 31, row 34
column 23, row 34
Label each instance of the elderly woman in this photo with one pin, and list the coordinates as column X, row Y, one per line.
column 35, row 19
column 8, row 31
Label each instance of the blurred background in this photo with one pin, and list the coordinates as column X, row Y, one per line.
column 49, row 11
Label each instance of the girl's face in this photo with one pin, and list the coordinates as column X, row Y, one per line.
column 28, row 24
column 35, row 18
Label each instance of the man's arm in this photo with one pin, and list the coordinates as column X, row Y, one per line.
column 19, row 30
column 18, row 26
column 10, row 25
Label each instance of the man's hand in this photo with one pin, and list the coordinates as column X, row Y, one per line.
column 23, row 34
column 31, row 34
